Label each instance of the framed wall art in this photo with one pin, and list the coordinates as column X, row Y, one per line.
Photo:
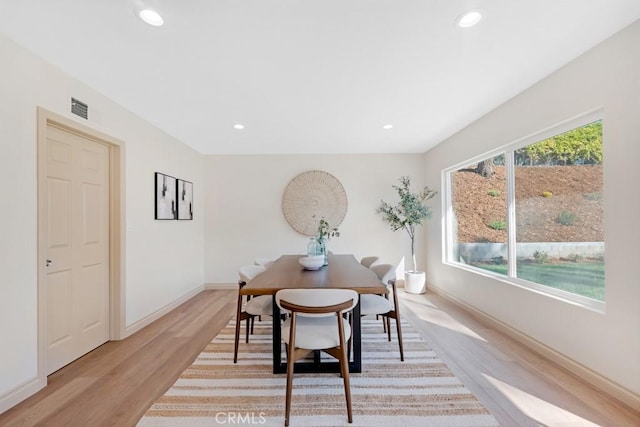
column 185, row 199
column 166, row 193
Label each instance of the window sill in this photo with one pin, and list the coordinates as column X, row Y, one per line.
column 557, row 294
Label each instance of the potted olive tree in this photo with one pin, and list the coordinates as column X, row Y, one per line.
column 408, row 213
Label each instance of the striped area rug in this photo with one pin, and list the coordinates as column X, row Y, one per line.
column 421, row 391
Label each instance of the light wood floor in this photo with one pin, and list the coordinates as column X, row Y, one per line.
column 115, row 384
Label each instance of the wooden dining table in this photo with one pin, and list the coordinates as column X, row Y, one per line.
column 342, row 272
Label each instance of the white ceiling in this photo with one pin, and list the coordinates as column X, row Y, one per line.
column 311, row 76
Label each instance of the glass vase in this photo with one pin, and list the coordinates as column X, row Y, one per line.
column 322, row 243
column 313, row 247
column 318, row 246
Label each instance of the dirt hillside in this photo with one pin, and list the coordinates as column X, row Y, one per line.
column 542, row 195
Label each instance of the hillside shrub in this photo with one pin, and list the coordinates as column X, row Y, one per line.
column 566, row 218
column 541, row 257
column 498, row 225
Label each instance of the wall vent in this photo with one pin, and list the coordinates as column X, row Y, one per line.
column 79, row 108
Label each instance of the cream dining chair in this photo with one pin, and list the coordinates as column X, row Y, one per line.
column 264, row 261
column 381, row 305
column 368, row 261
column 253, row 307
column 316, row 323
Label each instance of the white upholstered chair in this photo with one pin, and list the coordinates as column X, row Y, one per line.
column 381, row 305
column 263, row 261
column 254, row 306
column 368, row 261
column 316, row 323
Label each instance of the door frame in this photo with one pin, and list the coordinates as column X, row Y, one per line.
column 117, row 325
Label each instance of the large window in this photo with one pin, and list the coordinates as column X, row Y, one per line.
column 533, row 213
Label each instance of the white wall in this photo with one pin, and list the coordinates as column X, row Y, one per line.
column 244, row 207
column 164, row 259
column 609, row 77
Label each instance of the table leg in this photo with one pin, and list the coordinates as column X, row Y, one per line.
column 278, row 367
column 356, row 366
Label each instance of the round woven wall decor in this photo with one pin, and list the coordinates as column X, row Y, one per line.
column 311, row 196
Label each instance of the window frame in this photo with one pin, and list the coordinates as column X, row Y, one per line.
column 508, row 150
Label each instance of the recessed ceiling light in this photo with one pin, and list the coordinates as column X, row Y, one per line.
column 387, row 127
column 238, row 126
column 469, row 19
column 151, row 17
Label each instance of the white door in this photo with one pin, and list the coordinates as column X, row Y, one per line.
column 77, row 246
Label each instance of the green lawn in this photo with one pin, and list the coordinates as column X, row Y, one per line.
column 585, row 279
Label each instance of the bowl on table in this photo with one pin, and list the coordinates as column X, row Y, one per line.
column 314, row 262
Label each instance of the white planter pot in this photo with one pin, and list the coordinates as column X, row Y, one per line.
column 414, row 282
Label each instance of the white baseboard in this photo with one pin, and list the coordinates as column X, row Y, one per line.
column 602, row 383
column 147, row 320
column 20, row 393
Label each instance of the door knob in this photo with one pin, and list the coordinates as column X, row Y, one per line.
column 49, row 262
